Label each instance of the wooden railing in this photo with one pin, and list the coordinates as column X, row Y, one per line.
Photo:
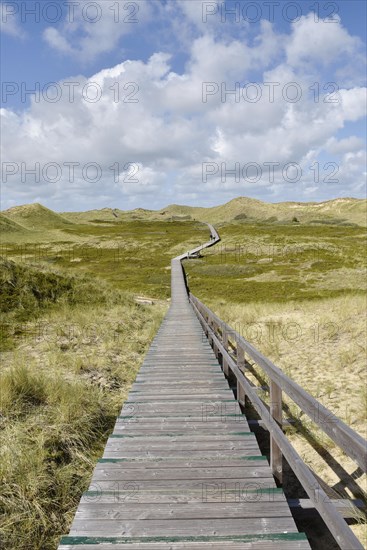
column 234, row 350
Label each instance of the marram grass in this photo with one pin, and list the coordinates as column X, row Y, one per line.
column 62, row 387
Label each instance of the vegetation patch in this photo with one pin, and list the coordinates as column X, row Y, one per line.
column 77, row 345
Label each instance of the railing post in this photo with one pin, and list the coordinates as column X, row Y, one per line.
column 241, row 395
column 215, row 347
column 206, row 323
column 208, row 326
column 225, row 345
column 240, row 357
column 276, row 413
column 209, row 320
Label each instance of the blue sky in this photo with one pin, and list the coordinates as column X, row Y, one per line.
column 132, row 108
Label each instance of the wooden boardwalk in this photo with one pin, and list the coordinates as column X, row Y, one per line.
column 182, row 468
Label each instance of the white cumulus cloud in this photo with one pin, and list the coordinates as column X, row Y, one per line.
column 146, row 115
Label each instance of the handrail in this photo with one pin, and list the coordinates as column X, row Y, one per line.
column 347, row 439
column 351, row 442
column 323, row 504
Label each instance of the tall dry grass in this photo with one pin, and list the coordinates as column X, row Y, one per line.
column 61, row 388
column 322, row 346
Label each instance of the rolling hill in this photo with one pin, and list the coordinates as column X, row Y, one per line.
column 35, row 217
column 345, row 210
column 9, row 226
column 241, row 209
column 102, row 215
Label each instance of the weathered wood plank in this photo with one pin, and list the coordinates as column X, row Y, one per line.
column 168, row 441
column 204, row 527
column 178, row 397
column 140, row 446
column 132, row 510
column 117, row 472
column 208, row 493
column 194, row 407
column 213, row 545
column 213, row 415
column 184, row 426
column 241, row 462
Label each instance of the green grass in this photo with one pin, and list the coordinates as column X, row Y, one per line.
column 132, row 255
column 27, row 292
column 280, row 263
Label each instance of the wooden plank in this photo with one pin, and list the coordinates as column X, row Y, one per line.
column 206, row 527
column 116, row 472
column 184, row 384
column 242, row 462
column 132, row 510
column 178, row 397
column 166, row 440
column 207, row 486
column 195, row 407
column 139, row 429
column 213, row 545
column 175, row 443
column 208, row 493
column 215, row 417
column 206, row 457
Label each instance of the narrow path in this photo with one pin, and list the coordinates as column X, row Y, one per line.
column 182, row 468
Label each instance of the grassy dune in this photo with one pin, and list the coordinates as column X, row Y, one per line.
column 77, row 346
column 337, row 211
column 341, row 211
column 35, row 216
